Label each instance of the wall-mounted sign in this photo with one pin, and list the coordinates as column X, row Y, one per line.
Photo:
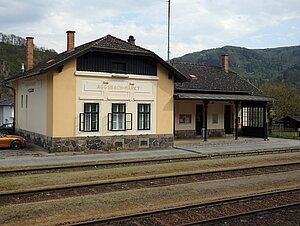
column 118, row 87
column 31, row 90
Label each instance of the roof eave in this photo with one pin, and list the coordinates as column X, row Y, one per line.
column 121, row 51
column 225, row 98
column 217, row 91
column 178, row 75
column 21, row 77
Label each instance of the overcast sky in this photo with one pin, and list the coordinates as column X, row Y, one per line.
column 195, row 24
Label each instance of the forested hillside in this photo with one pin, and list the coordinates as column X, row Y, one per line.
column 257, row 65
column 12, row 55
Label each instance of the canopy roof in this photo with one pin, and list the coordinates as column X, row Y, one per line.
column 221, row 97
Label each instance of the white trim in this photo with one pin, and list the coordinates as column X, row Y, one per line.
column 90, row 98
column 115, row 75
column 118, row 99
column 120, row 76
column 143, row 99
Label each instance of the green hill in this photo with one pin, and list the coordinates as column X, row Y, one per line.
column 257, row 65
column 11, row 59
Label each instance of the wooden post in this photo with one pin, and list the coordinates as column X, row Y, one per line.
column 265, row 122
column 205, row 118
column 236, row 118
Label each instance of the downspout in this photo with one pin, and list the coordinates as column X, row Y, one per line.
column 14, row 120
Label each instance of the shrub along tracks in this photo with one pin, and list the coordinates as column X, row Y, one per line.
column 246, row 210
column 103, row 165
column 136, row 183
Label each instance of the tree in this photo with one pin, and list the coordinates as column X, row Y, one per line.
column 287, row 99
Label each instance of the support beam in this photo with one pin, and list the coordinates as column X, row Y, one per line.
column 265, row 122
column 206, row 102
column 236, row 103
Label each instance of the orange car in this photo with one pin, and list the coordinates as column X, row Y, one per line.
column 11, row 141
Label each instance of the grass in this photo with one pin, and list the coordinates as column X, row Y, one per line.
column 285, row 136
column 33, row 182
column 139, row 200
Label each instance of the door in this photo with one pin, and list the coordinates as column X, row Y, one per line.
column 199, row 118
column 227, row 119
column 254, row 120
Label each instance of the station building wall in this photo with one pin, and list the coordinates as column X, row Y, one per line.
column 215, row 118
column 51, row 118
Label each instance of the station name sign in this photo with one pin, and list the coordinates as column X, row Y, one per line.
column 118, row 87
column 111, row 86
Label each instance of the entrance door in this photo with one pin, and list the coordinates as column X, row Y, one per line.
column 227, row 119
column 199, row 118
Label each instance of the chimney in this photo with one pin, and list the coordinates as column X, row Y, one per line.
column 29, row 53
column 131, row 40
column 225, row 62
column 70, row 40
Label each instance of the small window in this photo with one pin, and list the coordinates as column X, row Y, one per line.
column 89, row 120
column 26, row 101
column 215, row 119
column 193, row 77
column 118, row 67
column 22, row 101
column 119, row 144
column 185, row 119
column 143, row 116
column 143, row 142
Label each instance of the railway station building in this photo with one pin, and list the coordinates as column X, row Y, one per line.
column 219, row 102
column 113, row 92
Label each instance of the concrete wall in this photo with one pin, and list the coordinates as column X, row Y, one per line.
column 165, row 102
column 49, row 121
column 31, row 104
column 189, row 107
column 64, row 101
column 185, row 107
column 217, row 109
column 55, row 100
column 16, row 102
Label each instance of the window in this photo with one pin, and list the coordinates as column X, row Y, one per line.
column 185, row 119
column 118, row 116
column 119, row 144
column 119, row 120
column 89, row 120
column 143, row 116
column 215, row 119
column 253, row 116
column 22, row 101
column 143, row 142
column 26, row 101
column 193, row 77
column 118, row 67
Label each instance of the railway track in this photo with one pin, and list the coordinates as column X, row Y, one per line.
column 234, row 211
column 93, row 166
column 97, row 188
